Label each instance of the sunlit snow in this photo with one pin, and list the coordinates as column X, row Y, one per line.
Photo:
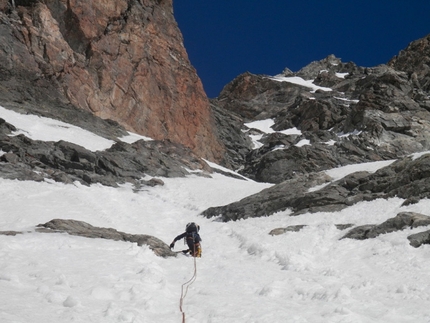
column 341, row 75
column 346, row 100
column 303, row 142
column 300, row 81
column 47, row 129
column 132, row 137
column 245, row 274
column 265, row 126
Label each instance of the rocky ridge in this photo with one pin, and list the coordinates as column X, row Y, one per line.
column 356, row 115
column 346, row 115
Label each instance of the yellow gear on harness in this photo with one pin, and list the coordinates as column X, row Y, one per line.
column 198, row 252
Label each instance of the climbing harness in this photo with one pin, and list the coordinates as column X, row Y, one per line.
column 184, row 289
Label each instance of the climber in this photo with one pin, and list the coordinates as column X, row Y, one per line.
column 192, row 238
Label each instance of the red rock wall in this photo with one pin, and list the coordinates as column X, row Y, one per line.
column 123, row 60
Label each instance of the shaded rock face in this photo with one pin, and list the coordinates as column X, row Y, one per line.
column 118, row 59
column 256, row 97
column 229, row 130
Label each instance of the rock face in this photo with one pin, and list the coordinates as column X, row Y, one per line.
column 122, row 60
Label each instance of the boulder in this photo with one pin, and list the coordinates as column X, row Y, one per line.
column 418, row 239
column 291, row 228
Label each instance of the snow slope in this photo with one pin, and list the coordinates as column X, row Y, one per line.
column 245, row 275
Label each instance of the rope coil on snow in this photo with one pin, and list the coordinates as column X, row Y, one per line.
column 184, row 291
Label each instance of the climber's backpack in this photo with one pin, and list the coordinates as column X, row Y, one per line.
column 192, row 227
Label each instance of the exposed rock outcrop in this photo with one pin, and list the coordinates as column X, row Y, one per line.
column 27, row 159
column 117, row 59
column 400, row 222
column 229, row 129
column 256, row 97
column 270, row 200
column 83, row 229
column 407, row 178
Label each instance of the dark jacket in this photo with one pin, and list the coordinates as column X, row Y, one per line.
column 192, row 237
column 193, row 242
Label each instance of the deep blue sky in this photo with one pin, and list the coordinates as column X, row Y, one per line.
column 225, row 38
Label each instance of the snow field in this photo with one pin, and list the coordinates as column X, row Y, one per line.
column 245, row 275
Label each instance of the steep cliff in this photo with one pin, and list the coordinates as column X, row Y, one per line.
column 118, row 59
